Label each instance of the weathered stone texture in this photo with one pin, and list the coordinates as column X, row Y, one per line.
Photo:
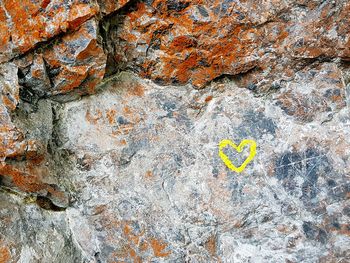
column 9, row 92
column 198, row 41
column 26, row 23
column 131, row 173
column 30, row 22
column 109, row 6
column 150, row 185
column 77, row 61
column 54, row 50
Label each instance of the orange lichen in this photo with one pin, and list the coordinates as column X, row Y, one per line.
column 182, row 42
column 79, row 68
column 93, row 119
column 135, row 244
column 184, row 67
column 225, row 42
column 30, row 20
column 137, row 90
column 123, row 142
column 110, row 114
column 79, row 13
column 5, row 255
column 28, row 182
column 8, row 103
column 282, row 36
column 149, row 174
column 73, row 76
column 134, row 256
column 5, row 36
column 209, row 98
column 158, row 248
column 45, row 3
column 210, row 245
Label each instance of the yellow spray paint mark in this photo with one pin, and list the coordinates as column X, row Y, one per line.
column 239, row 149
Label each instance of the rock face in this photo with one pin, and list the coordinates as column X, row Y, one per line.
column 75, row 62
column 132, row 173
column 178, row 42
column 31, row 22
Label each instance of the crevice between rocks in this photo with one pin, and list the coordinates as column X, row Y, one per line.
column 107, row 24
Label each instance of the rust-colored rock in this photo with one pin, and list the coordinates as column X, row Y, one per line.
column 73, row 62
column 76, row 60
column 31, row 183
column 15, row 146
column 196, row 42
column 23, row 25
column 32, row 22
column 11, row 140
column 134, row 171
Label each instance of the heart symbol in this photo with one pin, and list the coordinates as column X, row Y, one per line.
column 239, row 149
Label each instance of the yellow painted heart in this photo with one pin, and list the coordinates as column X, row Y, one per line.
column 239, row 149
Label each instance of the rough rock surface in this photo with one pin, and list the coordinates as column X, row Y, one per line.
column 131, row 172
column 198, row 41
